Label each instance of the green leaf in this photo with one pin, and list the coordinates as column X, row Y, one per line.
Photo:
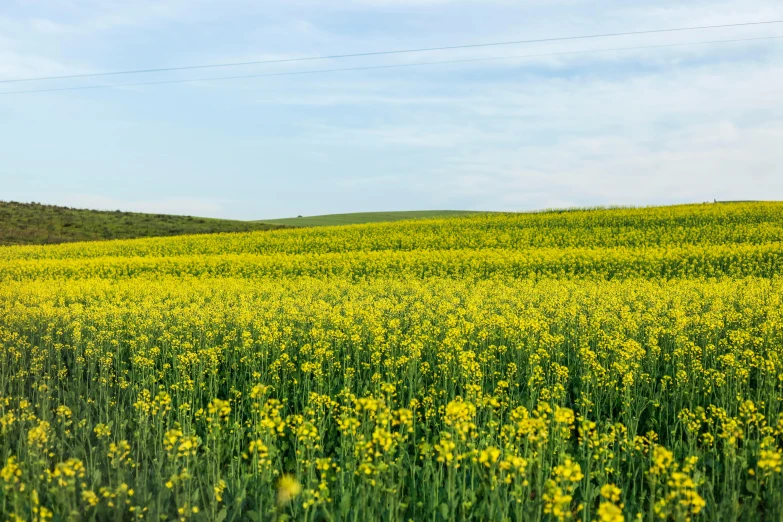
column 345, row 505
column 221, row 515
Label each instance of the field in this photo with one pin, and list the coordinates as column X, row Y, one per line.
column 36, row 224
column 610, row 365
column 359, row 218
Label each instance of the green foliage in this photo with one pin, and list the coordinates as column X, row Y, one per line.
column 36, row 224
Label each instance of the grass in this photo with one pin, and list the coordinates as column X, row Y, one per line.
column 37, row 224
column 358, row 218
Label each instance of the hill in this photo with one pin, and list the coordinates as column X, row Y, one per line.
column 358, row 218
column 37, row 224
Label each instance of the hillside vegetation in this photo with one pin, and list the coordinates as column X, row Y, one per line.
column 36, row 224
column 607, row 365
column 358, row 218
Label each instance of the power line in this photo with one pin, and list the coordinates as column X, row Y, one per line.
column 391, row 66
column 381, row 53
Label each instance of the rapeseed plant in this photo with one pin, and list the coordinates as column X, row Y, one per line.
column 599, row 365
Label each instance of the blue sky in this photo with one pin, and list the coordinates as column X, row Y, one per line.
column 640, row 127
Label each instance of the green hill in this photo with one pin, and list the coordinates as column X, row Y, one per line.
column 36, row 224
column 364, row 217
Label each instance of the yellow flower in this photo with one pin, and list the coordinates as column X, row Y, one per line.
column 662, row 461
column 102, row 431
column 569, row 471
column 11, row 474
column 38, row 436
column 218, row 409
column 288, row 488
column 770, row 461
column 608, row 512
column 89, row 497
column 219, row 489
column 611, row 492
column 489, row 456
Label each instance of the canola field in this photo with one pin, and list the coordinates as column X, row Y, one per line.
column 610, row 365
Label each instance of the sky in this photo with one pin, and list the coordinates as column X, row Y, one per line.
column 671, row 125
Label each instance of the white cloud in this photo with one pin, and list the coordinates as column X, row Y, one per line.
column 692, row 163
column 689, row 123
column 670, row 135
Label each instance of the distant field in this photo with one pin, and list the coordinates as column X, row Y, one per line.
column 365, row 217
column 35, row 224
